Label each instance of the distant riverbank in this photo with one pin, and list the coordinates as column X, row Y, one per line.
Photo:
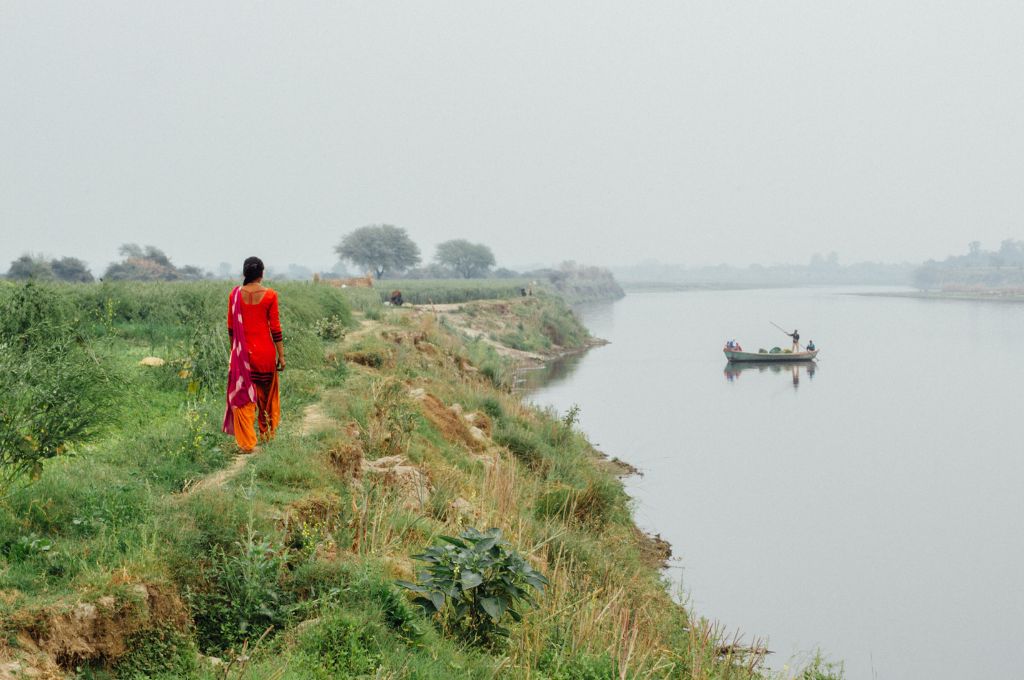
column 972, row 296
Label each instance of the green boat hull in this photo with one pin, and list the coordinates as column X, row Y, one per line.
column 766, row 357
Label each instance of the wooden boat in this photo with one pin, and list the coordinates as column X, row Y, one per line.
column 735, row 356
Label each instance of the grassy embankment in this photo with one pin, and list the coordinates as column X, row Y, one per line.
column 573, row 284
column 153, row 545
column 450, row 291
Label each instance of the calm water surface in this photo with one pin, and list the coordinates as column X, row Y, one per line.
column 872, row 507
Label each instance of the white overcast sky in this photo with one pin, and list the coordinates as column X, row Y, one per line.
column 608, row 133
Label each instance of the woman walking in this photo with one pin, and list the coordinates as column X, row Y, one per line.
column 257, row 354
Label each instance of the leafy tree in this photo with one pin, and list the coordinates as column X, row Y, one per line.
column 191, row 273
column 974, row 251
column 149, row 264
column 71, row 269
column 1012, row 251
column 28, row 267
column 379, row 247
column 468, row 260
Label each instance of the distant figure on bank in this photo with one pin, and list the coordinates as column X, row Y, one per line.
column 796, row 339
column 257, row 354
column 396, row 298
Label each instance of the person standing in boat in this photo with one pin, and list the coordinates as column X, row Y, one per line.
column 796, row 339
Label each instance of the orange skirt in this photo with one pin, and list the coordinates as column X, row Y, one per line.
column 265, row 413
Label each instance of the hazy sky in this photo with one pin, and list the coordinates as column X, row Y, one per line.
column 693, row 132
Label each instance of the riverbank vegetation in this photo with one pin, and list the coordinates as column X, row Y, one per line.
column 146, row 548
column 449, row 291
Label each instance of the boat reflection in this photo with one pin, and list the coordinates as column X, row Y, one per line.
column 793, row 369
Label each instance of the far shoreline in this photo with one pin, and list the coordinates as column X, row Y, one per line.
column 994, row 296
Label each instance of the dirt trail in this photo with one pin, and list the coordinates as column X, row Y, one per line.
column 366, row 326
column 454, row 314
column 314, row 420
column 220, row 477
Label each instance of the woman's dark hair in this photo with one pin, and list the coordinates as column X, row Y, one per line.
column 252, row 269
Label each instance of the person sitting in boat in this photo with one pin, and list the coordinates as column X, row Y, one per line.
column 796, row 339
column 810, row 346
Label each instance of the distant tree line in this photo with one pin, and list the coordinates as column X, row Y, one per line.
column 386, row 251
column 977, row 268
column 139, row 263
column 149, row 264
column 34, row 267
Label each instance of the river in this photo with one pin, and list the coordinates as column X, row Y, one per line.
column 871, row 507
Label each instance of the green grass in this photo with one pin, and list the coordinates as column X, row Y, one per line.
column 98, row 507
column 449, row 291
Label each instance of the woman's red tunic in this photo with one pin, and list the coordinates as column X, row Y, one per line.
column 262, row 330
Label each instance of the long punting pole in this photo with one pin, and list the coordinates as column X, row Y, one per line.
column 799, row 346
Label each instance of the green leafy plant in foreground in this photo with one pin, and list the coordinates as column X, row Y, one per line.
column 471, row 582
column 245, row 595
column 59, row 391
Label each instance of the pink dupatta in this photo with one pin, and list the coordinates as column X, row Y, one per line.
column 241, row 391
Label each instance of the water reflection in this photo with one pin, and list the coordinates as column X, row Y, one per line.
column 794, row 369
column 549, row 374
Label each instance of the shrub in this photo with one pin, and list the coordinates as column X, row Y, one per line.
column 558, row 663
column 821, row 669
column 58, row 390
column 492, row 407
column 596, row 504
column 359, row 586
column 245, row 594
column 31, row 315
column 161, row 651
column 522, row 442
column 564, row 427
column 390, row 421
column 471, row 582
column 206, row 358
column 343, row 646
column 329, row 328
